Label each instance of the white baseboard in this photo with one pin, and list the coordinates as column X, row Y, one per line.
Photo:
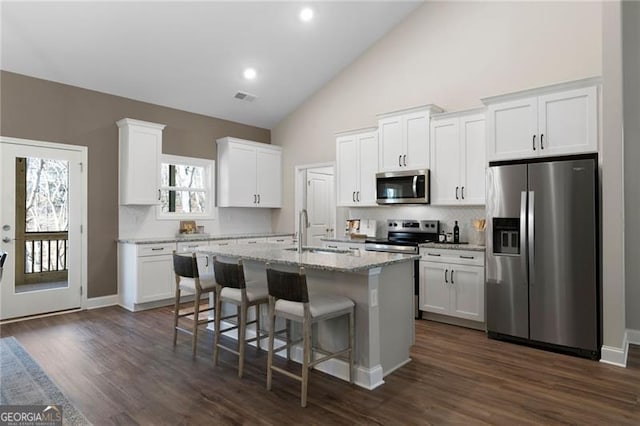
column 633, row 336
column 368, row 378
column 614, row 356
column 102, row 302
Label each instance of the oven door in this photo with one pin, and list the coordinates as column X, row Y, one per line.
column 406, row 187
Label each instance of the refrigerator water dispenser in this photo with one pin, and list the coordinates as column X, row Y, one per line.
column 506, row 235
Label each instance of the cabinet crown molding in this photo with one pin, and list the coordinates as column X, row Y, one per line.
column 130, row 121
column 453, row 114
column 356, row 131
column 557, row 87
column 228, row 139
column 429, row 107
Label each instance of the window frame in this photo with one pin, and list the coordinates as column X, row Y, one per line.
column 209, row 190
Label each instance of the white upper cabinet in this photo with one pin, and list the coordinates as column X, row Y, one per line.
column 404, row 138
column 140, row 147
column 357, row 165
column 249, row 174
column 555, row 120
column 458, row 158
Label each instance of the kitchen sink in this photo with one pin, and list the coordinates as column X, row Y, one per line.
column 320, row 250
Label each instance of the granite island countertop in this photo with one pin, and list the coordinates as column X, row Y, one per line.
column 195, row 237
column 357, row 261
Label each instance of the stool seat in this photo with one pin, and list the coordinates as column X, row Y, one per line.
column 207, row 283
column 289, row 299
column 319, row 305
column 231, row 287
column 189, row 280
column 255, row 291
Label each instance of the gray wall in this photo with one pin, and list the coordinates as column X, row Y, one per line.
column 631, row 73
column 42, row 110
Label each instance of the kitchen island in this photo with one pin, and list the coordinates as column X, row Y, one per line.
column 381, row 285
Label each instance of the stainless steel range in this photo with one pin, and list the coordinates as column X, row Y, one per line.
column 405, row 236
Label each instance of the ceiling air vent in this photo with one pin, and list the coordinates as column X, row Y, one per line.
column 244, row 96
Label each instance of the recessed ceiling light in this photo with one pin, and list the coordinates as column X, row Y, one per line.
column 306, row 14
column 249, row 73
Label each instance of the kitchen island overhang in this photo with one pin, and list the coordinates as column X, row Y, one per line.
column 381, row 285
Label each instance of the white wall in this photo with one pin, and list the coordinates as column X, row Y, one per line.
column 612, row 180
column 141, row 222
column 631, row 76
column 447, row 53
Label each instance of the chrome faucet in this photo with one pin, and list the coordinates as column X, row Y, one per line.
column 302, row 228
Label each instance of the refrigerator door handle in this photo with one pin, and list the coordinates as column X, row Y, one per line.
column 523, row 230
column 531, row 238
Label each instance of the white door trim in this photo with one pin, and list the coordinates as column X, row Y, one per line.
column 84, row 152
column 300, row 172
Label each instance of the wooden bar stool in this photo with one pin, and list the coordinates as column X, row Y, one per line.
column 188, row 279
column 231, row 287
column 289, row 299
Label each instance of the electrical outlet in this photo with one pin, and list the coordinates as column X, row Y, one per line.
column 374, row 298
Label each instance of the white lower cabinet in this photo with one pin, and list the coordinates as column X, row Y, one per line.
column 190, row 247
column 281, row 240
column 452, row 283
column 343, row 245
column 145, row 275
column 251, row 240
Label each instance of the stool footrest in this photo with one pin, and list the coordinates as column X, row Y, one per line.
column 228, row 349
column 328, row 357
column 286, row 373
column 184, row 330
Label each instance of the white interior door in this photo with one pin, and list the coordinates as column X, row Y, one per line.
column 320, row 205
column 42, row 213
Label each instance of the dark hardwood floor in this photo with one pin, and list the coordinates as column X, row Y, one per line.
column 119, row 367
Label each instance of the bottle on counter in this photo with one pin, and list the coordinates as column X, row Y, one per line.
column 456, row 233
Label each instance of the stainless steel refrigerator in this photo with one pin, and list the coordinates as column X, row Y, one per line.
column 542, row 274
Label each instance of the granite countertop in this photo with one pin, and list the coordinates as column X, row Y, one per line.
column 453, row 246
column 159, row 240
column 342, row 262
column 343, row 240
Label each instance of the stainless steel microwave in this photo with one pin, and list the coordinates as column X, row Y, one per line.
column 405, row 187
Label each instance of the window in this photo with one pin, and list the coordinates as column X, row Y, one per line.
column 186, row 188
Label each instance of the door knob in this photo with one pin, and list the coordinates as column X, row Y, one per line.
column 6, row 227
column 6, row 240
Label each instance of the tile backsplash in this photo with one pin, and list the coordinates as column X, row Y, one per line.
column 447, row 215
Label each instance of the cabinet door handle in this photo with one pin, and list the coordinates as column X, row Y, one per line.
column 462, row 192
column 445, row 276
column 452, row 271
column 206, row 265
column 467, row 257
column 330, row 246
column 358, row 196
column 457, row 190
column 258, row 198
column 223, row 244
column 157, row 249
column 353, row 196
column 534, row 142
column 404, row 160
column 252, row 242
column 433, row 254
column 400, row 160
column 541, row 140
column 158, row 195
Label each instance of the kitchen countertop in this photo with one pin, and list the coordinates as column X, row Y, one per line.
column 343, row 240
column 159, row 240
column 341, row 262
column 453, row 246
